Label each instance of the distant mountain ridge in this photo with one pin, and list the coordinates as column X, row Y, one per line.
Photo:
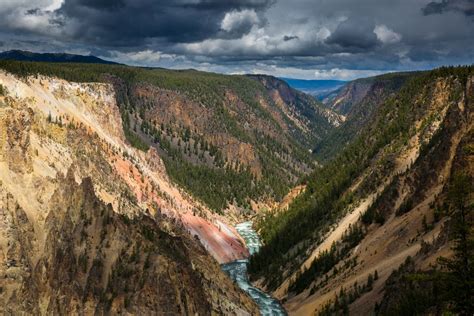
column 317, row 88
column 21, row 55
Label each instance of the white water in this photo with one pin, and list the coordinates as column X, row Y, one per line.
column 238, row 272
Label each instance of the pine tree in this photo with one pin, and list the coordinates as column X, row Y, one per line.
column 370, row 282
column 425, row 224
column 461, row 266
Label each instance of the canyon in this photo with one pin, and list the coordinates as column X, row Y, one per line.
column 127, row 190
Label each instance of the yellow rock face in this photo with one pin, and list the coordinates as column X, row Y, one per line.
column 89, row 224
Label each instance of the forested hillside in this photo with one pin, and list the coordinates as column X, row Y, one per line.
column 226, row 139
column 413, row 145
column 358, row 102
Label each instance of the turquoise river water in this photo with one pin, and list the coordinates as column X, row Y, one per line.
column 238, row 272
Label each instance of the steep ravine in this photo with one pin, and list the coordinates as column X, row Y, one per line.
column 392, row 210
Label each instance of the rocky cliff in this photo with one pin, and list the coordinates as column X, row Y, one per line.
column 92, row 225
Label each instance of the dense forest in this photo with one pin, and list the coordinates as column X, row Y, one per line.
column 229, row 149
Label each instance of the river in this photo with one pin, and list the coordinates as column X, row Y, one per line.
column 238, row 272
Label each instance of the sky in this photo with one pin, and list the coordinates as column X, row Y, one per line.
column 308, row 39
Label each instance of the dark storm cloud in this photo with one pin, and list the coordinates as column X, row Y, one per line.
column 134, row 22
column 102, row 4
column 354, row 33
column 300, row 38
column 463, row 6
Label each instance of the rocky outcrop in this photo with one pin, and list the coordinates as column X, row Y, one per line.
column 91, row 225
column 16, row 142
column 95, row 261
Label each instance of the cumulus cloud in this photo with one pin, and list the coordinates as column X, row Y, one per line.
column 354, row 33
column 141, row 58
column 386, row 35
column 30, row 16
column 122, row 23
column 239, row 21
column 307, row 38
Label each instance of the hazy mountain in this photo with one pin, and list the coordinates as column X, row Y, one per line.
column 317, row 88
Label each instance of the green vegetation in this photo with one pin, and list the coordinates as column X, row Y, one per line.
column 3, row 91
column 413, row 292
column 131, row 136
column 286, row 235
column 347, row 296
column 214, row 186
column 308, row 107
column 191, row 153
column 361, row 113
column 325, row 200
column 460, row 278
column 450, row 287
column 328, row 259
column 376, row 212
